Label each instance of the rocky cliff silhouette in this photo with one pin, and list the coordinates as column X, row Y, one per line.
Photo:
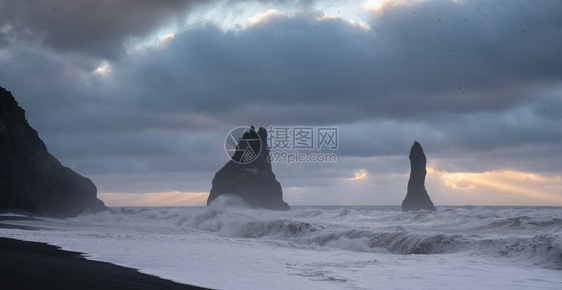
column 417, row 197
column 249, row 175
column 30, row 177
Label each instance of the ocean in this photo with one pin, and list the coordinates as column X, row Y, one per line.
column 227, row 246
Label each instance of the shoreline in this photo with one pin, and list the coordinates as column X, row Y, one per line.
column 34, row 265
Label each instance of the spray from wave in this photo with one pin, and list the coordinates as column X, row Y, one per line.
column 521, row 234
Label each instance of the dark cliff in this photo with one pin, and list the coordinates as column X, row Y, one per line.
column 417, row 197
column 30, row 177
column 249, row 175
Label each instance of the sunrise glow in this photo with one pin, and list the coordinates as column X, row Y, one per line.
column 378, row 5
column 173, row 198
column 361, row 174
column 374, row 5
column 501, row 187
column 103, row 69
column 165, row 39
column 259, row 17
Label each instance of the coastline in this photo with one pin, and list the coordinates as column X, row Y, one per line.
column 486, row 247
column 32, row 265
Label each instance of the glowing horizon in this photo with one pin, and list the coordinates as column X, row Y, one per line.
column 498, row 187
column 172, row 198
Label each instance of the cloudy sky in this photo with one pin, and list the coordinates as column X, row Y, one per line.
column 139, row 96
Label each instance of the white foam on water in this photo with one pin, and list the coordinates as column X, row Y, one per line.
column 233, row 247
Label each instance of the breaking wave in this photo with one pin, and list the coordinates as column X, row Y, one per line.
column 522, row 234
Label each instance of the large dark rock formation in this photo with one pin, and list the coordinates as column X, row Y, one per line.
column 417, row 197
column 248, row 174
column 30, row 177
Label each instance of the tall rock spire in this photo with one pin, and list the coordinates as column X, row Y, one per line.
column 417, row 197
column 249, row 175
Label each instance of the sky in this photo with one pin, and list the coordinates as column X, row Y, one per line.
column 139, row 96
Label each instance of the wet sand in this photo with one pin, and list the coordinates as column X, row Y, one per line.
column 31, row 265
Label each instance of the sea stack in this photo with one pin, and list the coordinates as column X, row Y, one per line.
column 31, row 178
column 417, row 197
column 248, row 174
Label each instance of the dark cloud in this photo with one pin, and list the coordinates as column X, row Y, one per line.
column 477, row 83
column 475, row 46
column 407, row 65
column 99, row 28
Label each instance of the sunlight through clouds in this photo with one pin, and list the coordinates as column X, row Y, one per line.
column 103, row 69
column 374, row 5
column 361, row 174
column 259, row 17
column 503, row 186
column 175, row 198
column 165, row 39
column 378, row 5
column 159, row 40
column 150, row 92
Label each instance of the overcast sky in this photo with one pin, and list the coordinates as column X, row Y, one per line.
column 139, row 96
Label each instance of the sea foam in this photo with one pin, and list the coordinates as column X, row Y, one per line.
column 337, row 246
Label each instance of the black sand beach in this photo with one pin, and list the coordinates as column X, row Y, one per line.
column 30, row 265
